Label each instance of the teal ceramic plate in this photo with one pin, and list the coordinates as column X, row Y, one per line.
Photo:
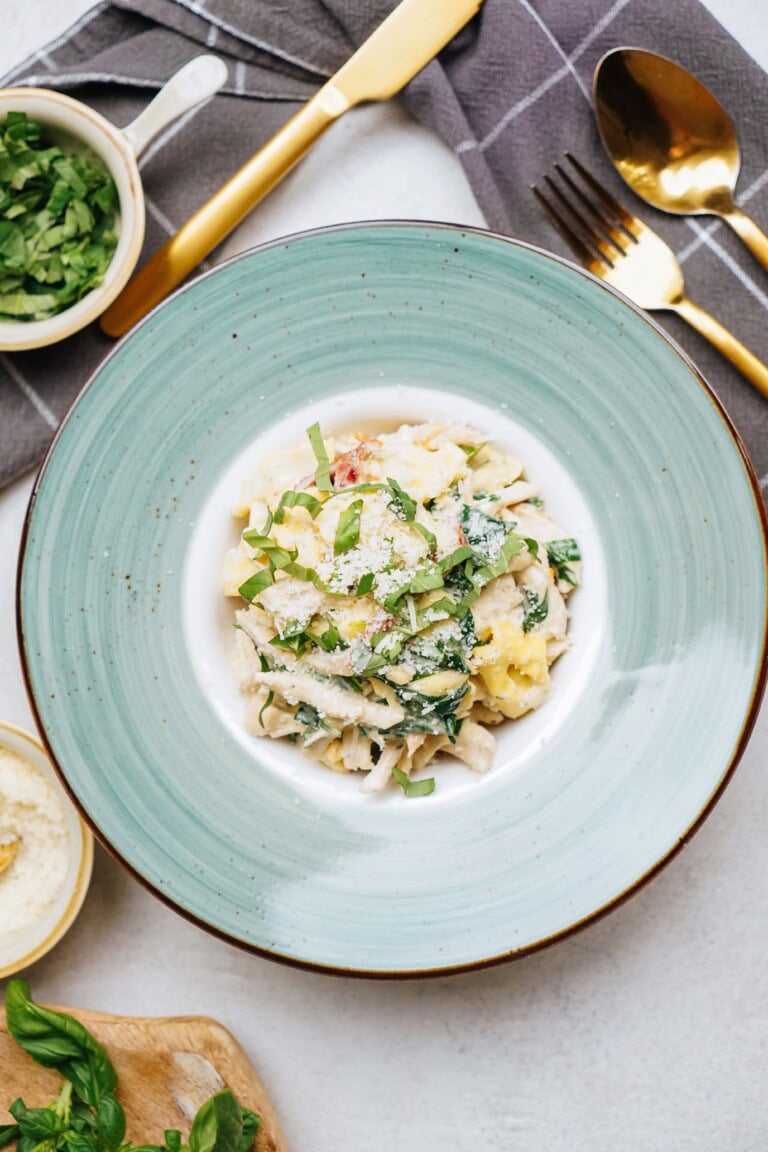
column 125, row 633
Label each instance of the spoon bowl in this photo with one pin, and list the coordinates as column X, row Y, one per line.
column 671, row 139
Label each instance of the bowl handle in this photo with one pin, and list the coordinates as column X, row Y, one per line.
column 198, row 80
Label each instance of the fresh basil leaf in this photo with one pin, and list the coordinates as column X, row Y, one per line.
column 414, row 787
column 218, row 1125
column 403, row 505
column 172, row 1139
column 323, row 470
column 251, row 1125
column 110, row 1123
column 348, row 529
column 535, row 609
column 561, row 554
column 472, row 450
column 39, row 1124
column 532, row 546
column 294, row 500
column 256, row 584
column 8, row 1133
column 56, row 1040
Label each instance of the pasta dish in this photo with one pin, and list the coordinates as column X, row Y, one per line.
column 403, row 593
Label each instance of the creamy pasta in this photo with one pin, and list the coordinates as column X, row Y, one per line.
column 405, row 592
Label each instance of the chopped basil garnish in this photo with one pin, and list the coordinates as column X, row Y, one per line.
column 403, row 505
column 292, row 500
column 329, row 640
column 256, row 584
column 57, row 223
column 269, row 700
column 563, row 553
column 414, row 787
column 348, row 529
column 296, row 641
column 313, row 721
column 323, row 470
column 472, row 450
column 365, row 585
column 430, row 537
column 535, row 608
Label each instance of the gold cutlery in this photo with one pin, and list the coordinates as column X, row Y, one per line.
column 619, row 248
column 9, row 847
column 671, row 140
column 391, row 56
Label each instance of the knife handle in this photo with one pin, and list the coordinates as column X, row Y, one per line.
column 215, row 219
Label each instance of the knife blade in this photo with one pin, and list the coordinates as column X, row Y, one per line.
column 413, row 33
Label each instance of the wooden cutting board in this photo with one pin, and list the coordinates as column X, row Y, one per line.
column 167, row 1068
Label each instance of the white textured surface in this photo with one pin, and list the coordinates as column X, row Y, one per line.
column 650, row 1031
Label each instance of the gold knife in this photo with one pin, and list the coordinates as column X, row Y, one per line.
column 391, row 56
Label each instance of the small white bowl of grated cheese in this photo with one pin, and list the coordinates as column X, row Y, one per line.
column 43, row 887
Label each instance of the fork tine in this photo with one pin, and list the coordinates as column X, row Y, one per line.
column 625, row 218
column 607, row 250
column 617, row 236
column 572, row 239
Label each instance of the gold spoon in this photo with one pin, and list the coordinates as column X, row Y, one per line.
column 671, row 140
column 9, row 846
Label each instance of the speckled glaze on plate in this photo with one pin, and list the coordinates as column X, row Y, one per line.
column 575, row 815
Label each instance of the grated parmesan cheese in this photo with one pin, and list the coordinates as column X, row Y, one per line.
column 30, row 809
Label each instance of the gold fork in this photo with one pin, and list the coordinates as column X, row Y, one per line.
column 619, row 248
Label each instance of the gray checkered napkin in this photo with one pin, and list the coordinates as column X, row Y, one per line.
column 508, row 95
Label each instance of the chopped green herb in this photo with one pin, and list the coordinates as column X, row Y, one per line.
column 323, row 470
column 427, row 578
column 402, row 504
column 485, row 533
column 365, row 585
column 57, row 223
column 472, row 450
column 414, row 787
column 313, row 721
column 269, row 700
column 536, row 501
column 296, row 642
column 458, row 556
column 482, row 495
column 277, row 556
column 329, row 640
column 430, row 537
column 535, row 608
column 348, row 528
column 563, row 553
column 256, row 584
column 294, row 499
column 532, row 546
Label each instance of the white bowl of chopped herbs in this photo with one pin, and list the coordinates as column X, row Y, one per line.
column 72, row 204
